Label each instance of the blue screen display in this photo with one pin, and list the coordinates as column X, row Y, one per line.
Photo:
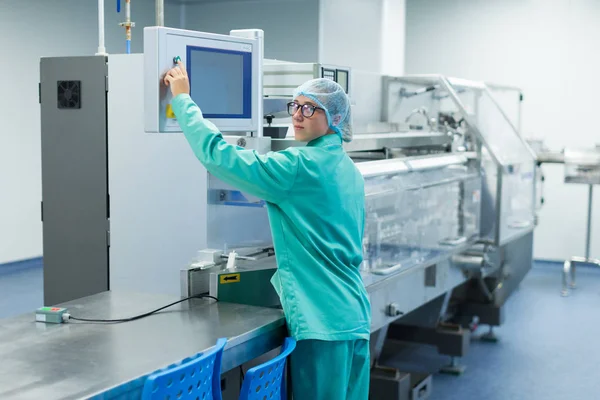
column 220, row 81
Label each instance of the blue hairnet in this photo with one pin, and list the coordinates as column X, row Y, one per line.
column 331, row 97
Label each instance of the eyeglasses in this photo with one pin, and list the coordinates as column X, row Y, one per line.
column 308, row 110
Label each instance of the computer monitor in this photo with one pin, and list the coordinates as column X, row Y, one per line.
column 224, row 76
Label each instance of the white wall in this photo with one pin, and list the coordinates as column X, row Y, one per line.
column 342, row 32
column 548, row 49
column 339, row 32
column 350, row 33
column 291, row 27
column 393, row 41
column 368, row 36
column 30, row 29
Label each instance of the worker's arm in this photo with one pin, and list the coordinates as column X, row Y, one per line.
column 269, row 176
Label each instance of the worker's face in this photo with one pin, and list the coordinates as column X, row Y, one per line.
column 306, row 126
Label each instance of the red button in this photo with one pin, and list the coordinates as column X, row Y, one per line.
column 55, row 309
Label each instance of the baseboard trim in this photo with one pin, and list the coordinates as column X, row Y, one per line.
column 548, row 263
column 38, row 262
column 557, row 263
column 21, row 265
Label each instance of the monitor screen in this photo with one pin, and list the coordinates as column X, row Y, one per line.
column 220, row 81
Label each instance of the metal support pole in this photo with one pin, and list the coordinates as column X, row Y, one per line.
column 573, row 269
column 101, row 48
column 569, row 267
column 160, row 12
column 589, row 222
column 565, row 278
column 127, row 24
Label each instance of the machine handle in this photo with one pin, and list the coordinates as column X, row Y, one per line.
column 245, row 258
column 453, row 241
column 519, row 224
column 386, row 271
column 393, row 310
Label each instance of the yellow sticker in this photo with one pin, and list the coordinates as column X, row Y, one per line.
column 230, row 278
column 170, row 113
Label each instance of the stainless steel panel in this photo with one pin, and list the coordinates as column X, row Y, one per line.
column 554, row 158
column 195, row 281
column 158, row 203
column 77, row 360
column 224, row 228
column 381, row 167
column 407, row 290
column 490, row 211
column 582, row 166
column 74, row 180
column 432, row 162
column 378, row 141
column 518, row 261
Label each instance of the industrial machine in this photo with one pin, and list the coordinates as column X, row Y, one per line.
column 450, row 196
column 450, row 191
column 110, row 150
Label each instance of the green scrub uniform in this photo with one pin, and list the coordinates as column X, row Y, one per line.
column 315, row 200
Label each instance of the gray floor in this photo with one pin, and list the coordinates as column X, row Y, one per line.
column 548, row 346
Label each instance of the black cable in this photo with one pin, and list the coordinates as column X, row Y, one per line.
column 200, row 296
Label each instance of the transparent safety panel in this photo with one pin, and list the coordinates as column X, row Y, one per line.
column 419, row 215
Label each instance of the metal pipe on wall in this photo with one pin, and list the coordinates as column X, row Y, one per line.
column 589, row 221
column 101, row 48
column 128, row 25
column 160, row 12
column 182, row 20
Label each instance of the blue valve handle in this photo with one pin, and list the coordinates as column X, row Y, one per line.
column 118, row 6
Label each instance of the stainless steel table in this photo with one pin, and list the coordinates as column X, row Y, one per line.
column 78, row 360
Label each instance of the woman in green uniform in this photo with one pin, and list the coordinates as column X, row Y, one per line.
column 315, row 201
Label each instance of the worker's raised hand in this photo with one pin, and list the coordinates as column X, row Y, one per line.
column 177, row 80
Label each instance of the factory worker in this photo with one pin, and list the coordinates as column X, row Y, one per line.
column 315, row 201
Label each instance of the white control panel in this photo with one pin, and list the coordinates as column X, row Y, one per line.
column 224, row 74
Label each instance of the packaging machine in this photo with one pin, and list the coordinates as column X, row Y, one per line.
column 449, row 230
column 450, row 197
